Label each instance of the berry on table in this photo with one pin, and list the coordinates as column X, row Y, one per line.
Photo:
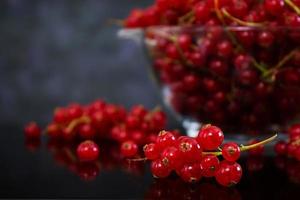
column 129, row 149
column 32, row 130
column 88, row 151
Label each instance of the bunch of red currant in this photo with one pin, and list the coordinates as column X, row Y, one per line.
column 192, row 158
column 233, row 63
column 216, row 12
column 290, row 148
column 100, row 120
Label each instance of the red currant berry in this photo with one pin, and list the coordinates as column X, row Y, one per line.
column 210, row 165
column 228, row 173
column 87, row 131
column 61, row 115
column 159, row 169
column 294, row 131
column 231, row 151
column 151, row 152
column 190, row 150
column 32, row 130
column 171, row 157
column 129, row 148
column 280, row 148
column 184, row 41
column 274, row 6
column 165, row 139
column 75, row 111
column 88, row 151
column 119, row 133
column 210, row 137
column 191, row 173
column 53, row 130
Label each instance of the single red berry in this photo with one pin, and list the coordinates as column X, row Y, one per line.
column 280, row 148
column 129, row 148
column 210, row 137
column 294, row 131
column 210, row 164
column 171, row 157
column 138, row 137
column 184, row 41
column 53, row 130
column 87, row 131
column 32, row 130
column 191, row 173
column 224, row 49
column 165, row 139
column 132, row 122
column 259, row 150
column 189, row 149
column 159, row 169
column 297, row 154
column 274, row 7
column 231, row 151
column 119, row 133
column 291, row 149
column 228, row 173
column 88, row 151
column 74, row 111
column 61, row 115
column 151, row 152
column 265, row 39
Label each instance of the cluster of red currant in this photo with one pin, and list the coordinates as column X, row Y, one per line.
column 290, row 148
column 215, row 12
column 238, row 67
column 100, row 120
column 192, row 158
column 64, row 155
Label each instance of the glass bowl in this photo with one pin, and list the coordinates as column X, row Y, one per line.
column 244, row 79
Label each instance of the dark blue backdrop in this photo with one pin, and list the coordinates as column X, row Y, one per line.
column 54, row 52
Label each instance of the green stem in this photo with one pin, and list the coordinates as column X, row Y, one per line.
column 293, row 6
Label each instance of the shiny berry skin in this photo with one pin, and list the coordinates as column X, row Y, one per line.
column 61, row 115
column 53, row 130
column 224, row 49
column 210, row 165
column 171, row 157
column 228, row 173
column 87, row 151
column 274, row 7
column 210, row 137
column 231, row 151
column 32, row 130
column 165, row 139
column 189, row 149
column 184, row 41
column 191, row 173
column 74, row 111
column 159, row 169
column 87, row 131
column 151, row 151
column 280, row 148
column 294, row 131
column 129, row 148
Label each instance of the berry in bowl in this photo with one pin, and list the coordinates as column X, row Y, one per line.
column 232, row 63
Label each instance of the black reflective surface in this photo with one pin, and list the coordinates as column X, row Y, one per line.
column 50, row 170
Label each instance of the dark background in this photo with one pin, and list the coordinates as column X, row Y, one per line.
column 54, row 52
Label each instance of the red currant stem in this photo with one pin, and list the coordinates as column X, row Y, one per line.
column 293, row 6
column 245, row 148
column 241, row 22
column 258, row 66
column 70, row 154
column 118, row 22
column 75, row 122
column 280, row 63
column 137, row 159
column 185, row 17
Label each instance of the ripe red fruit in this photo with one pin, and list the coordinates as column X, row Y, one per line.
column 88, row 151
column 53, row 130
column 274, row 6
column 61, row 115
column 165, row 139
column 210, row 164
column 280, row 148
column 159, row 169
column 171, row 157
column 32, row 130
column 87, row 131
column 129, row 148
column 74, row 111
column 231, row 151
column 191, row 172
column 210, row 137
column 228, row 173
column 189, row 149
column 151, row 151
column 294, row 131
